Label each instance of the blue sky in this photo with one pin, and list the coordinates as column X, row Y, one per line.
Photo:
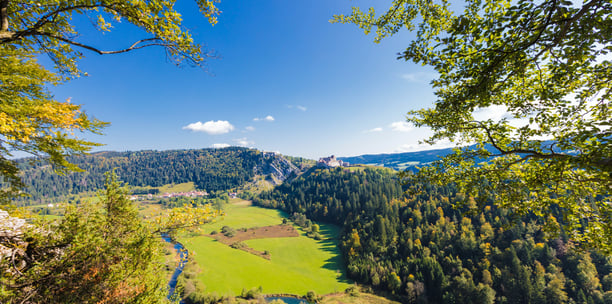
column 288, row 81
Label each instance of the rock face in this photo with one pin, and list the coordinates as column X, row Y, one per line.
column 277, row 167
column 10, row 233
column 10, row 226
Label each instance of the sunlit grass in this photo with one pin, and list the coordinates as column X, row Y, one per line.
column 297, row 264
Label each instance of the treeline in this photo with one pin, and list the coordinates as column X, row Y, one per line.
column 209, row 169
column 423, row 250
column 175, row 202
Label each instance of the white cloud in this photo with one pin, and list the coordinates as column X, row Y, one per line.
column 494, row 112
column 498, row 112
column 210, row 127
column 249, row 128
column 244, row 142
column 379, row 129
column 267, row 118
column 220, row 146
column 401, row 126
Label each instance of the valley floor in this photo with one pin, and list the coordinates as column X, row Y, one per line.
column 296, row 264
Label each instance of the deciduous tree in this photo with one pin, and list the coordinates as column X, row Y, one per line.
column 104, row 253
column 31, row 120
column 546, row 66
column 47, row 26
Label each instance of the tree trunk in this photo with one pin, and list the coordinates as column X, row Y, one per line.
column 3, row 16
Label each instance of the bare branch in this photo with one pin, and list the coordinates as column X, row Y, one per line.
column 136, row 45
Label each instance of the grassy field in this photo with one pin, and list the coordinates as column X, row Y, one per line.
column 147, row 209
column 360, row 167
column 184, row 187
column 297, row 264
column 240, row 214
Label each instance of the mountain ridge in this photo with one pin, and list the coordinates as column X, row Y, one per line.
column 209, row 169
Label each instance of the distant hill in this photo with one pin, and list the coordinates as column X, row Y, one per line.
column 410, row 160
column 208, row 169
column 399, row 161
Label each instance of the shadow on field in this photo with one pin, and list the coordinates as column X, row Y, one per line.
column 329, row 243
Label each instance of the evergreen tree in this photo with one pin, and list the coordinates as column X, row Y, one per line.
column 98, row 253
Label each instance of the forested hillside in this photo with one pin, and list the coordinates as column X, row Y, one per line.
column 209, row 169
column 399, row 161
column 424, row 251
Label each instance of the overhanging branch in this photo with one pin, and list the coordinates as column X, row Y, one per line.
column 601, row 163
column 136, row 45
column 7, row 36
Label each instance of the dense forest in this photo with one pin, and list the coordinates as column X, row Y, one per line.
column 422, row 250
column 209, row 169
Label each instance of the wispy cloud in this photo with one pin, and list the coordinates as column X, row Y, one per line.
column 378, row 129
column 299, row 107
column 420, row 77
column 249, row 128
column 210, row 127
column 220, row 145
column 244, row 142
column 401, row 126
column 267, row 118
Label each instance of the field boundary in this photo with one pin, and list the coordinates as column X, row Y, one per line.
column 241, row 235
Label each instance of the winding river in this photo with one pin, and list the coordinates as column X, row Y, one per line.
column 288, row 300
column 183, row 255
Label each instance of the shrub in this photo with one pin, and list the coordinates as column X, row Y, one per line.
column 228, row 231
column 352, row 291
column 238, row 245
column 250, row 294
column 312, row 297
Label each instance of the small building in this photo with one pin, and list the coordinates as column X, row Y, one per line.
column 331, row 162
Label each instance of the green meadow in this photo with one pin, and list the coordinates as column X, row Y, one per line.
column 240, row 214
column 297, row 264
column 184, row 187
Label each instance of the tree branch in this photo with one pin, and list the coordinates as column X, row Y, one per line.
column 8, row 36
column 567, row 23
column 601, row 163
column 136, row 45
